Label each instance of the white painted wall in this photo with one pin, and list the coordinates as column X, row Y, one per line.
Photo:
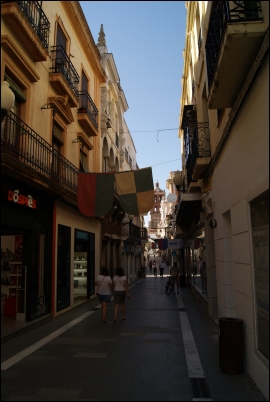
column 241, row 174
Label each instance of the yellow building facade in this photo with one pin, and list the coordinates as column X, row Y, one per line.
column 52, row 65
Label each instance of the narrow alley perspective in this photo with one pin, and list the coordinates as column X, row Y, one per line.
column 166, row 349
column 135, row 200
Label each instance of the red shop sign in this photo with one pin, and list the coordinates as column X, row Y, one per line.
column 24, row 200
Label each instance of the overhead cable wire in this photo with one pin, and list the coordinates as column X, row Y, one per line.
column 173, row 160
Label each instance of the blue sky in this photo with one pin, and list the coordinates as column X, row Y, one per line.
column 147, row 39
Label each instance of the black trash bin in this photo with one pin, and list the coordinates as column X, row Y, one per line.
column 231, row 347
column 182, row 281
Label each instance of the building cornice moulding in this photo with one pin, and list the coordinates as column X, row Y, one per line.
column 77, row 17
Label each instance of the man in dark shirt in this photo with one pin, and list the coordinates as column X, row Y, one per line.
column 175, row 273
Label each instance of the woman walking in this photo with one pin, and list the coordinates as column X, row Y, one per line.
column 154, row 267
column 120, row 287
column 104, row 284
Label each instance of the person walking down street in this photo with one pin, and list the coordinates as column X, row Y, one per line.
column 194, row 270
column 104, row 284
column 203, row 277
column 199, row 264
column 175, row 273
column 150, row 265
column 120, row 287
column 143, row 269
column 161, row 268
column 154, row 267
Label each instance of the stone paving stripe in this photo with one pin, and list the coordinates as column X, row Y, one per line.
column 26, row 352
column 91, row 355
column 194, row 366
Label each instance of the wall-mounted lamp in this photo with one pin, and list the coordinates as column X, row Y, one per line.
column 49, row 106
column 178, row 180
column 130, row 217
column 7, row 99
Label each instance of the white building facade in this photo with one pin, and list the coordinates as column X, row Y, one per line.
column 224, row 128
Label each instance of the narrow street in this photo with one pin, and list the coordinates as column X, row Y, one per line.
column 167, row 349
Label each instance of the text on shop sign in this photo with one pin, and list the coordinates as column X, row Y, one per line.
column 21, row 199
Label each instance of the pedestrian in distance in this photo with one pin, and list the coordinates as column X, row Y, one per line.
column 143, row 269
column 120, row 287
column 194, row 270
column 104, row 284
column 154, row 266
column 161, row 268
column 175, row 273
column 150, row 265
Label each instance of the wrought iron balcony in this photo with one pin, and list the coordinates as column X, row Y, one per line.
column 87, row 110
column 61, row 65
column 15, row 13
column 111, row 230
column 144, row 234
column 232, row 26
column 24, row 149
column 131, row 231
column 37, row 19
column 197, row 149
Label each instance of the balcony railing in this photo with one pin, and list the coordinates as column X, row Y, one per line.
column 37, row 19
column 62, row 64
column 222, row 13
column 111, row 229
column 131, row 230
column 87, row 106
column 144, row 234
column 197, row 145
column 24, row 145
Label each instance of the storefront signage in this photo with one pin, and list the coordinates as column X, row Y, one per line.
column 175, row 244
column 21, row 199
column 81, row 235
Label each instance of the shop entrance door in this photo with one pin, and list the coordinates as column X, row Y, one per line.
column 12, row 277
column 84, row 265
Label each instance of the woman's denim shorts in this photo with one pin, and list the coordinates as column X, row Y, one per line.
column 104, row 298
column 119, row 296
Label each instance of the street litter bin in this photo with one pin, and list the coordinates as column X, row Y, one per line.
column 182, row 281
column 231, row 347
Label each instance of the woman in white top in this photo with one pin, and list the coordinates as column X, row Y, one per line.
column 104, row 284
column 120, row 290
